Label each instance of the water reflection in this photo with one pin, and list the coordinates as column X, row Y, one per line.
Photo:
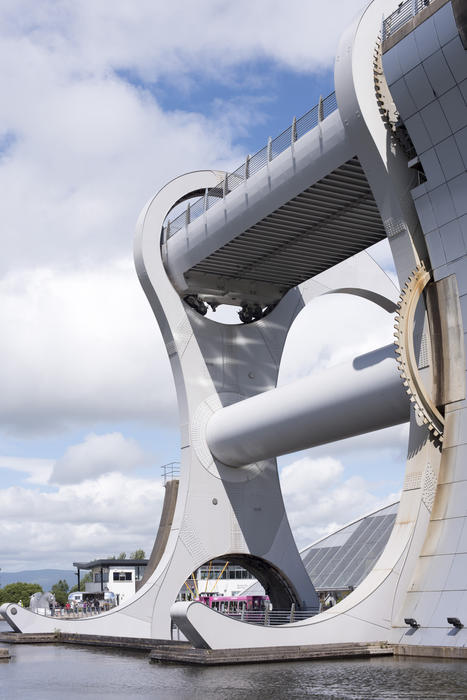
column 44, row 672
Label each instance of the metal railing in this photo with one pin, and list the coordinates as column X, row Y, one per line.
column 170, row 471
column 269, row 618
column 402, row 15
column 253, row 164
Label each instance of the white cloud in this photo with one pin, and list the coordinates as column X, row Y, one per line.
column 96, row 455
column 319, row 499
column 82, row 149
column 80, row 346
column 159, row 38
column 38, row 469
column 79, row 521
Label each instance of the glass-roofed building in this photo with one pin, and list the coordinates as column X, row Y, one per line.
column 338, row 562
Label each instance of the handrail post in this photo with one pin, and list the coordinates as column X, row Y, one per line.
column 266, row 617
column 269, row 149
column 247, row 167
column 206, row 199
column 294, row 131
column 292, row 612
column 167, row 231
column 188, row 215
column 320, row 109
column 224, row 186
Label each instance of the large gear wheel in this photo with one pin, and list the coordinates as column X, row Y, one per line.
column 424, row 407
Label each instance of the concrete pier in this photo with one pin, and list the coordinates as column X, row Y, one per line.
column 215, row 657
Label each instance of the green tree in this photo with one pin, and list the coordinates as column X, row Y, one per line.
column 87, row 578
column 122, row 555
column 139, row 554
column 14, row 592
column 60, row 591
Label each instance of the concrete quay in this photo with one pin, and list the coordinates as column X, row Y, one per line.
column 214, row 657
column 166, row 651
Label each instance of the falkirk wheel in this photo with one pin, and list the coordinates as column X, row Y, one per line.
column 383, row 157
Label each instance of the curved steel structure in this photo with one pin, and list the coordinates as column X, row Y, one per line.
column 389, row 161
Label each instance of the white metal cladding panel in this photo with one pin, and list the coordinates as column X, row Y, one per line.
column 462, row 542
column 422, row 71
column 435, row 122
column 445, row 24
column 444, row 537
column 402, row 97
column 438, row 73
column 459, row 268
column 435, row 248
column 457, row 573
column 432, row 573
column 432, row 168
column 449, row 157
column 419, row 87
column 425, row 213
column 453, row 240
column 454, row 108
column 463, row 303
column 458, row 189
column 418, row 133
column 443, row 205
column 450, row 604
column 461, row 140
column 426, row 38
column 463, row 89
column 408, row 52
column 455, row 56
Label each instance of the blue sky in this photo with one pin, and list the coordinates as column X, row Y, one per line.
column 103, row 103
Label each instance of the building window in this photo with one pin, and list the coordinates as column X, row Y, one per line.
column 97, row 577
column 122, row 576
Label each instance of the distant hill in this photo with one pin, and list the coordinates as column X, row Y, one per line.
column 44, row 577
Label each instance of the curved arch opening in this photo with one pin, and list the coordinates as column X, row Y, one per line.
column 238, row 576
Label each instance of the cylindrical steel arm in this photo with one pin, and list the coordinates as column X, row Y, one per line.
column 356, row 397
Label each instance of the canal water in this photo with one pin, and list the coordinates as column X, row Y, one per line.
column 46, row 672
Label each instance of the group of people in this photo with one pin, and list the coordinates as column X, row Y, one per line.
column 92, row 606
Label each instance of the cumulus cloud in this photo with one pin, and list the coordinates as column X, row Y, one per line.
column 155, row 39
column 79, row 521
column 320, row 499
column 84, row 141
column 96, row 455
column 38, row 470
column 80, row 346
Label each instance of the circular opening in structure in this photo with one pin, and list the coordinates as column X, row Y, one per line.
column 241, row 582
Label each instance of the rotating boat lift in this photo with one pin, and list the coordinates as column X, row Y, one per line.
column 270, row 239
